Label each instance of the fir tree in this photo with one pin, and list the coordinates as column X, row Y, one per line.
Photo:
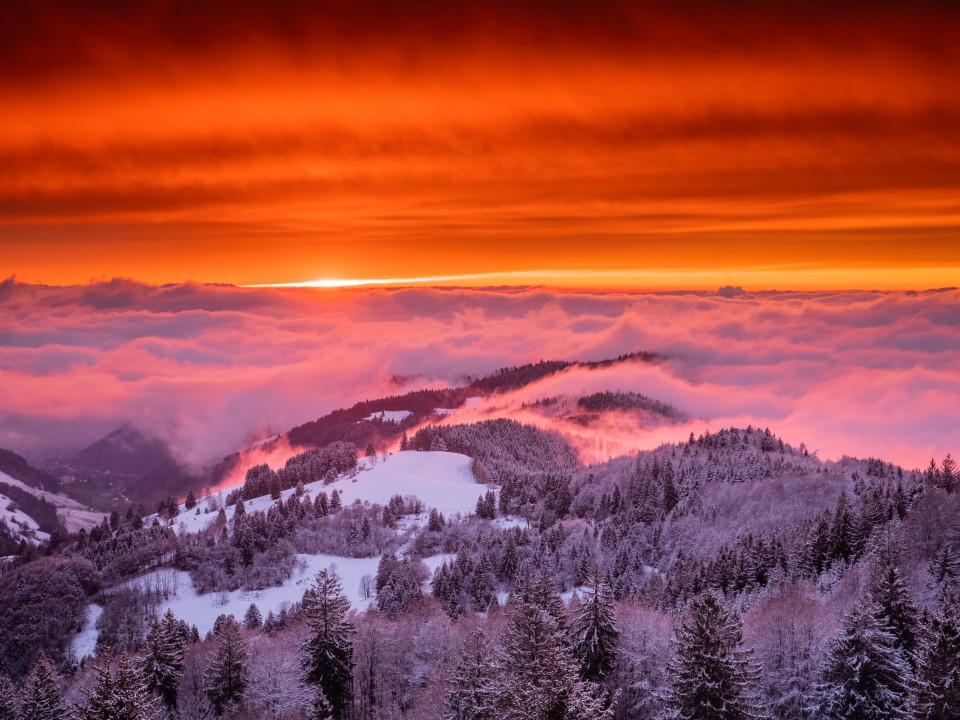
column 935, row 692
column 163, row 663
column 40, row 694
column 9, row 706
column 120, row 696
column 713, row 678
column 896, row 610
column 328, row 653
column 541, row 677
column 226, row 676
column 476, row 687
column 595, row 633
column 253, row 619
column 320, row 709
column 865, row 675
column 404, row 443
column 191, row 501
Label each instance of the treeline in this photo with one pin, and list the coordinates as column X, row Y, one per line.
column 38, row 508
column 606, row 401
column 18, row 468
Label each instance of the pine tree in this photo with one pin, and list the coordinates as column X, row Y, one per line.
column 713, row 678
column 40, row 695
column 864, row 676
column 191, row 502
column 935, row 692
column 328, row 653
column 226, row 676
column 595, row 630
column 476, row 686
column 896, row 610
column 320, row 709
column 163, row 663
column 9, row 706
column 120, row 696
column 253, row 619
column 948, row 473
column 541, row 677
column 404, row 443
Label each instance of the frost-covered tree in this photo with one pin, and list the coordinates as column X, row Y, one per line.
column 320, row 708
column 122, row 695
column 712, row 676
column 226, row 676
column 865, row 676
column 895, row 607
column 253, row 619
column 328, row 652
column 40, row 694
column 595, row 633
column 541, row 676
column 935, row 692
column 163, row 663
column 9, row 704
column 476, row 684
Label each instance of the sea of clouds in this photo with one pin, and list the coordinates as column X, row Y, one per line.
column 210, row 368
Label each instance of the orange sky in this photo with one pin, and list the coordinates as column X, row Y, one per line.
column 583, row 145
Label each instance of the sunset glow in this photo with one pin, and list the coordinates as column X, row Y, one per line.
column 626, row 145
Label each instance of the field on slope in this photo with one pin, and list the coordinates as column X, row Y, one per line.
column 442, row 480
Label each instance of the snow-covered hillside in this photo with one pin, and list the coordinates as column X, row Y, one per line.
column 203, row 610
column 75, row 515
column 441, row 480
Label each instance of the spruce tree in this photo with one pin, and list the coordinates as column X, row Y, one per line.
column 541, row 677
column 9, row 705
column 476, row 687
column 328, row 653
column 320, row 709
column 226, row 676
column 712, row 677
column 253, row 619
column 595, row 633
column 120, row 696
column 163, row 663
column 894, row 605
column 935, row 692
column 40, row 694
column 864, row 676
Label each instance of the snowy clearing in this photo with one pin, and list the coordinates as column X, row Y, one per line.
column 390, row 415
column 203, row 610
column 75, row 515
column 441, row 480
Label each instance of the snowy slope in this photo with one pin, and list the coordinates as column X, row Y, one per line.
column 75, row 514
column 203, row 610
column 389, row 415
column 441, row 480
column 21, row 524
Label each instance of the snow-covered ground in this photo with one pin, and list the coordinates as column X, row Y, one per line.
column 75, row 515
column 441, row 480
column 203, row 610
column 389, row 415
column 85, row 643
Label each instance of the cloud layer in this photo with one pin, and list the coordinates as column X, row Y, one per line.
column 210, row 367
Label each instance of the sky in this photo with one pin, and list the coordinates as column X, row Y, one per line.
column 592, row 146
column 210, row 368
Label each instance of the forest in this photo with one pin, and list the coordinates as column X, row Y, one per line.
column 731, row 575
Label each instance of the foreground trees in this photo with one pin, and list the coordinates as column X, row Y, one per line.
column 865, row 674
column 328, row 653
column 936, row 688
column 713, row 678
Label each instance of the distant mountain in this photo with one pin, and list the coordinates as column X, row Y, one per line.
column 133, row 467
column 126, row 450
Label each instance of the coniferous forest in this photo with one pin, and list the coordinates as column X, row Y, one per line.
column 731, row 575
